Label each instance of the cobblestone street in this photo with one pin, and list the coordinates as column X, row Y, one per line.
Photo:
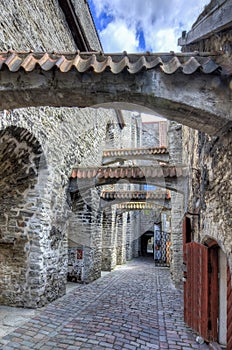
column 134, row 307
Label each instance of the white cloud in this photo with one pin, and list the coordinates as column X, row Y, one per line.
column 117, row 36
column 161, row 21
column 165, row 41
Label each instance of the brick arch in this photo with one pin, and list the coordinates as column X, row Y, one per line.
column 22, row 173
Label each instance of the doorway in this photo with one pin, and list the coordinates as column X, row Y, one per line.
column 206, row 291
column 147, row 244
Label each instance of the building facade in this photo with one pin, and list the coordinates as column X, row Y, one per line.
column 207, row 225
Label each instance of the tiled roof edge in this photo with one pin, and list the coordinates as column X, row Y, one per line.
column 169, row 63
column 136, row 151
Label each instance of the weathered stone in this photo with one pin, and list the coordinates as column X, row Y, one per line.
column 181, row 102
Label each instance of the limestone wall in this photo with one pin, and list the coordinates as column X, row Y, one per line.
column 39, row 148
column 214, row 28
column 219, row 42
column 150, row 135
column 121, row 238
column 101, row 242
column 34, row 25
column 176, row 154
column 211, row 188
column 41, row 26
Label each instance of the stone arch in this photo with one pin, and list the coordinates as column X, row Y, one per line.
column 22, row 172
column 145, row 238
column 199, row 100
column 210, row 240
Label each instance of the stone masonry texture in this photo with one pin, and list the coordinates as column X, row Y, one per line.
column 210, row 187
column 39, row 220
column 39, row 146
column 35, row 168
column 41, row 26
column 34, row 25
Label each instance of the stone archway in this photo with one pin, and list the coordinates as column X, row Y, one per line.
column 29, row 268
column 189, row 90
column 147, row 244
column 21, row 161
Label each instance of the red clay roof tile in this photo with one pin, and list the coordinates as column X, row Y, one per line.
column 169, row 63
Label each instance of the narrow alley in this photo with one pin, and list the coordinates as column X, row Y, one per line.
column 134, row 307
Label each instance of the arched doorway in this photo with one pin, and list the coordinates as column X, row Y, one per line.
column 207, row 289
column 147, row 244
column 22, row 179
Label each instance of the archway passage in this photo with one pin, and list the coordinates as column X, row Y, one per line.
column 192, row 89
column 147, row 244
column 20, row 159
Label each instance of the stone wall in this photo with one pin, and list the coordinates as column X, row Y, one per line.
column 103, row 240
column 108, row 240
column 41, row 26
column 40, row 219
column 150, row 135
column 209, row 158
column 211, row 188
column 178, row 200
column 23, row 226
column 220, row 42
column 39, row 148
column 33, row 206
column 121, row 238
column 34, row 25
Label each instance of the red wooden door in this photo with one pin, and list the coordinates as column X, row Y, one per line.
column 196, row 288
column 201, row 289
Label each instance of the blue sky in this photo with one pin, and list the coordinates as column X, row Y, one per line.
column 143, row 25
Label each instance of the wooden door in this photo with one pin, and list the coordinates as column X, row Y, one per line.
column 201, row 290
column 196, row 288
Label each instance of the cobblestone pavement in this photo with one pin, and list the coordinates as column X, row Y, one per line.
column 134, row 307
